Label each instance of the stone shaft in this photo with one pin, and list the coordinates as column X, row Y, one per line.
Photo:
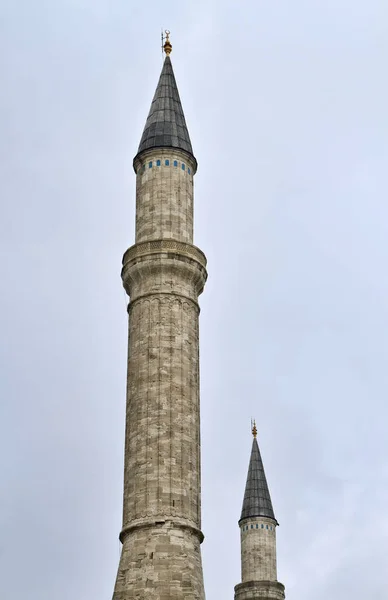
column 164, row 196
column 258, row 549
column 258, row 561
column 163, row 273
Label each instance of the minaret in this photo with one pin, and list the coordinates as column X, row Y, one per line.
column 163, row 274
column 258, row 536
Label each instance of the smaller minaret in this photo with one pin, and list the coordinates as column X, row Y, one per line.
column 258, row 536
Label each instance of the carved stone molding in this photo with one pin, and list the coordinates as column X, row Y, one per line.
column 164, row 266
column 253, row 590
column 163, row 246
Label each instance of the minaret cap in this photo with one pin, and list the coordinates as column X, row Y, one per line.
column 167, row 46
column 166, row 125
column 257, row 499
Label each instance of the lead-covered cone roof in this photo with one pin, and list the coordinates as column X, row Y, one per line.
column 257, row 500
column 166, row 125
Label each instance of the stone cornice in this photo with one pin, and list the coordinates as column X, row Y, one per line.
column 161, row 522
column 164, row 246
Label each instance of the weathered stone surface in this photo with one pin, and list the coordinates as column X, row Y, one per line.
column 162, row 454
column 153, row 570
column 258, row 549
column 164, row 195
column 163, row 273
column 259, row 590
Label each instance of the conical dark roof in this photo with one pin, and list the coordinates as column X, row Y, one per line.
column 257, row 499
column 166, row 126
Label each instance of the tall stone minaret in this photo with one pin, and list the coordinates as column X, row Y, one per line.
column 258, row 536
column 163, row 273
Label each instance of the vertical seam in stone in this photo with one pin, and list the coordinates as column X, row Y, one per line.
column 170, row 205
column 159, row 403
column 137, row 422
column 127, row 428
column 153, row 200
column 172, row 187
column 170, row 401
column 193, row 425
column 138, row 179
column 179, row 205
column 159, row 194
column 147, row 402
column 198, row 416
column 187, row 208
column 181, row 330
column 192, row 208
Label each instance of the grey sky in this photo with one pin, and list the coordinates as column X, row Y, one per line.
column 286, row 103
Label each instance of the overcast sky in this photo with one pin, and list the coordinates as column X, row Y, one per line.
column 286, row 104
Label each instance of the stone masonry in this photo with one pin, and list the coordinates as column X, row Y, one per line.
column 163, row 274
column 258, row 549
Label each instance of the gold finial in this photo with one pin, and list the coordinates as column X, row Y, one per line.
column 254, row 429
column 167, row 46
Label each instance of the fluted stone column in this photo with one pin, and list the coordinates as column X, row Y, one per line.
column 163, row 273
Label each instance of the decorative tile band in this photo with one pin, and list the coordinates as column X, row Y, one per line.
column 166, row 163
column 257, row 526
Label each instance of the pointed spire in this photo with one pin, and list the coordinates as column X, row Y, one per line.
column 166, row 126
column 257, row 499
